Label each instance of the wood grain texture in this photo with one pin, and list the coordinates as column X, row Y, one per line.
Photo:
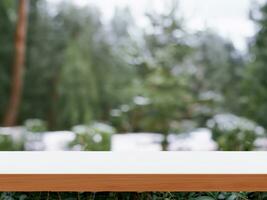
column 133, row 182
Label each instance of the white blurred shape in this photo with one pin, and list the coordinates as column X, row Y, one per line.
column 198, row 140
column 57, row 140
column 136, row 142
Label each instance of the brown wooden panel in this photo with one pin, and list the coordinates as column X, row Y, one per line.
column 133, row 182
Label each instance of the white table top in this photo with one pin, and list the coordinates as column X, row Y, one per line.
column 59, row 162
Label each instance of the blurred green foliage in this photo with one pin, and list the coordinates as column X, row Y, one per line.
column 163, row 78
column 78, row 69
column 35, row 125
column 7, row 28
column 93, row 137
column 254, row 90
column 233, row 133
column 8, row 143
column 72, row 71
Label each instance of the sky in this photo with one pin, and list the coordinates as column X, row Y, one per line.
column 229, row 18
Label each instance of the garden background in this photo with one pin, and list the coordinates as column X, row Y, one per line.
column 71, row 79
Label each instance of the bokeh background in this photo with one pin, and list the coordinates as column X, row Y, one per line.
column 133, row 75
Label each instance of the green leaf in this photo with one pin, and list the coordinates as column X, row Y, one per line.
column 204, row 198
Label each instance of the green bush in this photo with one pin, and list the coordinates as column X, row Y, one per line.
column 233, row 133
column 35, row 125
column 93, row 137
column 8, row 143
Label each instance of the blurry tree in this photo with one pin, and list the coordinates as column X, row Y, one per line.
column 164, row 88
column 91, row 80
column 77, row 88
column 121, row 25
column 218, row 74
column 162, row 79
column 183, row 79
column 254, row 100
column 18, row 66
column 73, row 67
column 219, row 62
column 7, row 28
column 46, row 44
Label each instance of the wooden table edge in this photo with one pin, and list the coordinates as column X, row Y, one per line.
column 133, row 182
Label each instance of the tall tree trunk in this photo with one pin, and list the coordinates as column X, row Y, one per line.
column 18, row 67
